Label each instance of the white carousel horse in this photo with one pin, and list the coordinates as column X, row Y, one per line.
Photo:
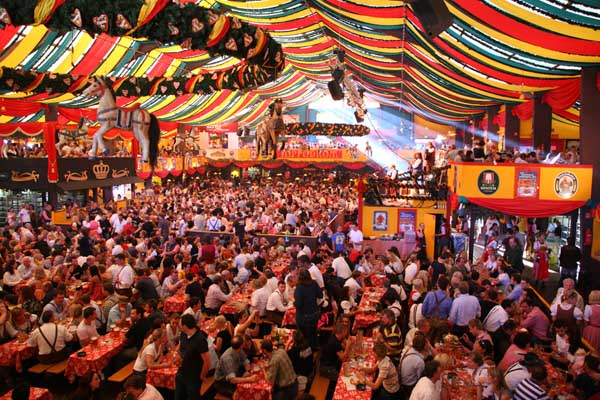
column 143, row 124
column 269, row 129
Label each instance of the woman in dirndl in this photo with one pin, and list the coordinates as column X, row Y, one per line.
column 591, row 317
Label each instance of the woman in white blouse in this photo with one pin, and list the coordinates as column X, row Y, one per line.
column 151, row 352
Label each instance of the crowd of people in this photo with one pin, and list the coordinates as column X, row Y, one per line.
column 63, row 287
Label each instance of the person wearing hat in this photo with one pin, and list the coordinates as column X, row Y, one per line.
column 521, row 370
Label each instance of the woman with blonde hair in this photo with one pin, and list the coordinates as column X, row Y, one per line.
column 150, row 353
column 224, row 334
column 591, row 317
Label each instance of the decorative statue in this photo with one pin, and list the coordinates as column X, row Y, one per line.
column 269, row 129
column 143, row 124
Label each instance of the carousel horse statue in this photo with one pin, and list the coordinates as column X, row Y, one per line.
column 143, row 124
column 269, row 129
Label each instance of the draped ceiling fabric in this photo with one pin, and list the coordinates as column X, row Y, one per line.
column 496, row 51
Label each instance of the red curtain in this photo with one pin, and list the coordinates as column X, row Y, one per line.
column 244, row 164
column 27, row 128
column 144, row 175
column 529, row 209
column 271, row 164
column 50, row 145
column 219, row 164
column 20, row 108
column 297, row 165
column 500, row 119
column 564, row 96
column 355, row 166
column 328, row 165
column 524, row 110
column 74, row 114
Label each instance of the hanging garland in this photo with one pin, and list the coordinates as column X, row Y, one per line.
column 18, row 80
column 324, row 129
column 189, row 25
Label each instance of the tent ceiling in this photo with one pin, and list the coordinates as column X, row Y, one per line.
column 494, row 52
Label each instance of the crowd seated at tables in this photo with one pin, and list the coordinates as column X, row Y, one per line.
column 269, row 320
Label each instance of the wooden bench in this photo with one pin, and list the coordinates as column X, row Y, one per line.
column 207, row 385
column 319, row 387
column 58, row 368
column 121, row 375
column 39, row 368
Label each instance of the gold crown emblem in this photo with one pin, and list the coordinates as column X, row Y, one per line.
column 101, row 170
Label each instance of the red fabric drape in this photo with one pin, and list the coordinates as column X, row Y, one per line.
column 219, row 164
column 27, row 128
column 564, row 96
column 74, row 114
column 529, row 209
column 20, row 108
column 134, row 147
column 244, row 164
column 176, row 172
column 524, row 110
column 50, row 145
column 144, row 175
column 354, row 166
column 327, row 165
column 500, row 119
column 598, row 80
column 272, row 164
column 297, row 165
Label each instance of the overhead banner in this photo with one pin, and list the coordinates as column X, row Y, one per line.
column 309, row 155
column 509, row 188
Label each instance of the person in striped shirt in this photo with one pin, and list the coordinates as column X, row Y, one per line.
column 531, row 388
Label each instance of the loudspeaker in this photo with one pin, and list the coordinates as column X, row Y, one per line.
column 335, row 90
column 434, row 16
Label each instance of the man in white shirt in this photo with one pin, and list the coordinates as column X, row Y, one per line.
column 137, row 386
column 426, row 388
column 215, row 296
column 239, row 261
column 25, row 270
column 122, row 275
column 520, row 371
column 50, row 339
column 313, row 270
column 411, row 270
column 353, row 285
column 24, row 217
column 260, row 297
column 278, row 304
column 341, row 267
column 355, row 236
column 194, row 309
column 497, row 316
column 272, row 280
column 87, row 327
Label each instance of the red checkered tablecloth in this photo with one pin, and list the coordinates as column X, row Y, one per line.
column 177, row 303
column 259, row 390
column 377, row 280
column 366, row 315
column 236, row 304
column 13, row 353
column 97, row 356
column 34, row 394
column 289, row 318
column 162, row 377
column 342, row 392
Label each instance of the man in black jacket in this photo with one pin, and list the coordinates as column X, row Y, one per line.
column 570, row 255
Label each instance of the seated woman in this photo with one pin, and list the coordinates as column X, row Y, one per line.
column 150, row 353
column 244, row 325
column 386, row 385
column 224, row 334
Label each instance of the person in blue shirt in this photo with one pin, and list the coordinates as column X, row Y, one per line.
column 339, row 240
column 437, row 303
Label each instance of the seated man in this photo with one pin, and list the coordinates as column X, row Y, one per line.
column 280, row 372
column 333, row 354
column 231, row 367
column 51, row 340
column 137, row 386
column 86, row 329
column 534, row 320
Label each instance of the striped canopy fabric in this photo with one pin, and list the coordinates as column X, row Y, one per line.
column 495, row 52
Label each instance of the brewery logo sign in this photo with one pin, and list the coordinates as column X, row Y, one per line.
column 565, row 185
column 488, row 182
